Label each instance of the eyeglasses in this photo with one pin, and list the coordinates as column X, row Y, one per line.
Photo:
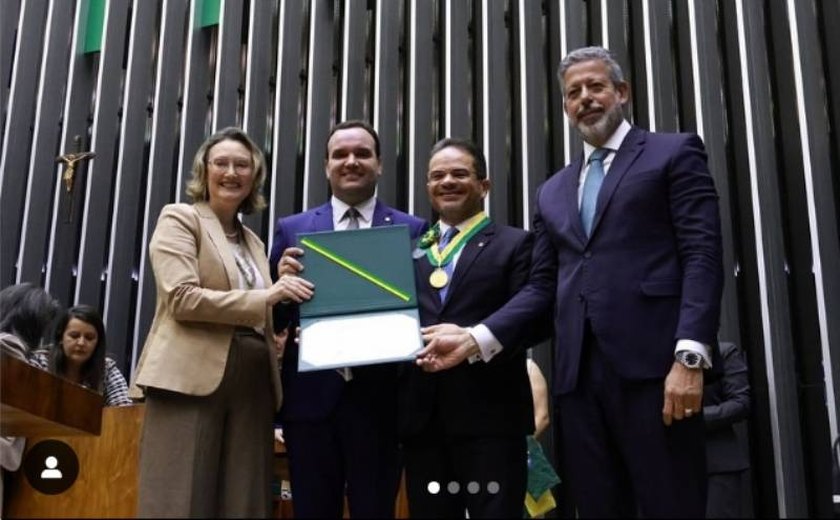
column 240, row 166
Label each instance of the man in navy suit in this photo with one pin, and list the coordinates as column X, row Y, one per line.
column 340, row 427
column 628, row 249
column 464, row 430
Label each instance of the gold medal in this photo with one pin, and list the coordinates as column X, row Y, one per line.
column 438, row 278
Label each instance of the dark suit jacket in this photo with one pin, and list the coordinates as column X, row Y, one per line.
column 313, row 395
column 650, row 273
column 481, row 398
column 725, row 402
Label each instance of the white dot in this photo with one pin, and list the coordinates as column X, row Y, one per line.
column 51, row 462
column 453, row 487
column 434, row 487
column 493, row 487
column 473, row 487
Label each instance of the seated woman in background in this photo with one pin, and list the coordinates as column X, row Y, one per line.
column 78, row 355
column 25, row 313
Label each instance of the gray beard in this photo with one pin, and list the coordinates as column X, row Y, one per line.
column 602, row 129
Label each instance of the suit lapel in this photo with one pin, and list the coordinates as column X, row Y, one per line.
column 624, row 157
column 468, row 256
column 569, row 186
column 212, row 228
column 323, row 219
column 381, row 215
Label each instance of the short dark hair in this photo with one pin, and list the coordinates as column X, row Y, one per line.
column 353, row 123
column 588, row 54
column 468, row 147
column 93, row 371
column 26, row 311
column 197, row 187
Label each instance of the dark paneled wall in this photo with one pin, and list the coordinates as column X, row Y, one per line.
column 758, row 80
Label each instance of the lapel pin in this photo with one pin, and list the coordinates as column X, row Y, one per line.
column 481, row 244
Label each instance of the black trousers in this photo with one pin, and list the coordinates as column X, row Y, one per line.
column 620, row 458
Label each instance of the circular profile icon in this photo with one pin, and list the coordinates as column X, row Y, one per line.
column 51, row 467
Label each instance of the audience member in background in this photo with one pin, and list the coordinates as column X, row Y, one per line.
column 25, row 312
column 209, row 366
column 726, row 400
column 78, row 352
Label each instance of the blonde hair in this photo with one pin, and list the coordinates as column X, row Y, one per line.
column 197, row 187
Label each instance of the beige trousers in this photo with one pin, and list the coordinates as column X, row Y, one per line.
column 211, row 456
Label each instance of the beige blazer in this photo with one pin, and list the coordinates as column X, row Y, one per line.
column 199, row 304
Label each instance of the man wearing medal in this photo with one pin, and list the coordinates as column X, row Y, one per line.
column 464, row 430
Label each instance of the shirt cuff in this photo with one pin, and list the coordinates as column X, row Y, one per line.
column 697, row 347
column 488, row 345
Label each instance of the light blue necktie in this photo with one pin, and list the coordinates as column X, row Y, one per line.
column 450, row 267
column 591, row 187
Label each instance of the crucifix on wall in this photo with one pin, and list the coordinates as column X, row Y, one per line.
column 70, row 160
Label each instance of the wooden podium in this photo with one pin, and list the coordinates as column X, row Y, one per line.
column 106, row 441
column 107, row 483
column 35, row 402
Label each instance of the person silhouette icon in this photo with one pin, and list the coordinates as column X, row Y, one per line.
column 51, row 472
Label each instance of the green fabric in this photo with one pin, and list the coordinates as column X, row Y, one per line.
column 94, row 26
column 541, row 474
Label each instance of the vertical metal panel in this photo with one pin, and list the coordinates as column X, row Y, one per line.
column 8, row 35
column 125, row 248
column 65, row 233
column 229, row 71
column 567, row 35
column 814, row 133
column 42, row 171
column 659, row 65
column 704, row 96
column 196, row 112
column 259, row 78
column 286, row 185
column 354, row 60
column 100, row 175
column 163, row 155
column 18, row 121
column 387, row 107
column 775, row 309
column 804, row 145
column 320, row 82
column 530, row 95
column 457, row 97
column 493, row 107
column 421, row 129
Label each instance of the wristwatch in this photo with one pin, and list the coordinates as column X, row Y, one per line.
column 689, row 359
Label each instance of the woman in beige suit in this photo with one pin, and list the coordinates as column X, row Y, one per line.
column 209, row 366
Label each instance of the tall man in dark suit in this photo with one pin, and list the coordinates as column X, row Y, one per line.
column 628, row 248
column 464, row 430
column 340, row 427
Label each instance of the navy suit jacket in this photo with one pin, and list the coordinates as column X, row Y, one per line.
column 313, row 395
column 481, row 398
column 651, row 271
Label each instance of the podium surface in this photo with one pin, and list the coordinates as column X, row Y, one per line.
column 106, row 486
column 36, row 402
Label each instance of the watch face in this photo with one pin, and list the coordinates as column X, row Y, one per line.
column 691, row 359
